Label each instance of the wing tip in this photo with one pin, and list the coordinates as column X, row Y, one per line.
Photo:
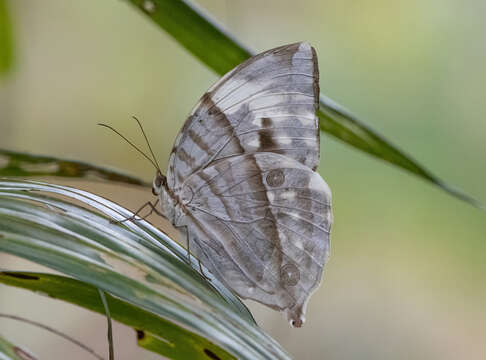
column 296, row 314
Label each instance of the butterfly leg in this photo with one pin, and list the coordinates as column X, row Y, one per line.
column 201, row 271
column 188, row 259
column 133, row 217
column 188, row 242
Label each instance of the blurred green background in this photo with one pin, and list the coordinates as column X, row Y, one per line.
column 406, row 279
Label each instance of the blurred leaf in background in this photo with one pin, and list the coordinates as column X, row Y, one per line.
column 6, row 42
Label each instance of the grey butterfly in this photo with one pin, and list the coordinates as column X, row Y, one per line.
column 242, row 185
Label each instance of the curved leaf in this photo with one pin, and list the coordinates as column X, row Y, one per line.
column 14, row 163
column 133, row 261
column 220, row 51
column 153, row 332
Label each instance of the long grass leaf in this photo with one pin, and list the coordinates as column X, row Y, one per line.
column 203, row 37
column 20, row 164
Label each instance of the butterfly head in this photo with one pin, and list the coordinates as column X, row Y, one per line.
column 160, row 181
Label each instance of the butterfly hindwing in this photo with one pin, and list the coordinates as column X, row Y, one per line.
column 267, row 103
column 266, row 219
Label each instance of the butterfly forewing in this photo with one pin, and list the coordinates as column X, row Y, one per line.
column 267, row 103
column 268, row 216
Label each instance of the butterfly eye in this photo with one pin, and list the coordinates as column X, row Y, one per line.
column 158, row 181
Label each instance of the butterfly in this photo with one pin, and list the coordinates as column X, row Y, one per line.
column 241, row 182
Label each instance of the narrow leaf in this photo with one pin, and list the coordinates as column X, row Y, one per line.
column 111, row 350
column 220, row 51
column 6, row 42
column 166, row 338
column 14, row 163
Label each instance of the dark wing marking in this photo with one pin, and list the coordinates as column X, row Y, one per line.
column 267, row 103
column 262, row 222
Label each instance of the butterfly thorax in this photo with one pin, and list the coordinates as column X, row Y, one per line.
column 168, row 204
column 168, row 200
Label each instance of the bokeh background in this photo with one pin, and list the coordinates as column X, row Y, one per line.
column 406, row 279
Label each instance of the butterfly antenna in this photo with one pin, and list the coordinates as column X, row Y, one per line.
column 132, row 144
column 148, row 142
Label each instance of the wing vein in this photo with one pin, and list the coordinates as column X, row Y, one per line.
column 257, row 95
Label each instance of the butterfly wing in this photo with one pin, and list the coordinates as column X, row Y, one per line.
column 267, row 103
column 261, row 222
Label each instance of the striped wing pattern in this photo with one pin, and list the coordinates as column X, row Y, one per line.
column 267, row 103
column 262, row 223
column 243, row 181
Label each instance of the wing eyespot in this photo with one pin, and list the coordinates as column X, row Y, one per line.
column 275, row 178
column 289, row 275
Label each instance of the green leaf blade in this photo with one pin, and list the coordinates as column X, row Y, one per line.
column 197, row 32
column 113, row 257
column 220, row 51
column 6, row 41
column 169, row 339
column 21, row 164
